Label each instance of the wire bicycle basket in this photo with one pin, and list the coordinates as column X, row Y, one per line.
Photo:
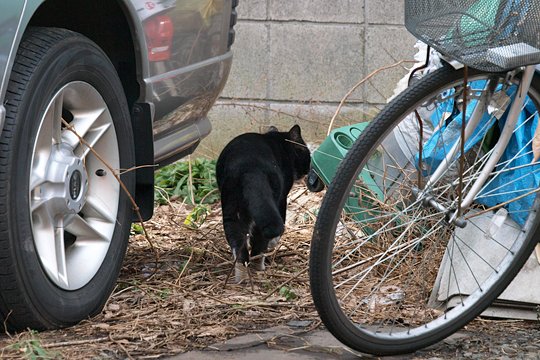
column 490, row 35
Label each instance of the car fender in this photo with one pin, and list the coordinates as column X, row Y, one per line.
column 16, row 16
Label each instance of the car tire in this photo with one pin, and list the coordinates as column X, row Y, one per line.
column 64, row 220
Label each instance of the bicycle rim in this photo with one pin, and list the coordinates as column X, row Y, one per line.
column 390, row 271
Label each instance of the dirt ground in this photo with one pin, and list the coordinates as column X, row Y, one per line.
column 177, row 295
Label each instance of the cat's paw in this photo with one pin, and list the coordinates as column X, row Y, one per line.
column 273, row 243
column 258, row 264
column 240, row 273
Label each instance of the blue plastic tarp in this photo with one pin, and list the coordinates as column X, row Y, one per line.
column 514, row 177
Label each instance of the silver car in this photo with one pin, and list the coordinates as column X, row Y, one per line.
column 92, row 90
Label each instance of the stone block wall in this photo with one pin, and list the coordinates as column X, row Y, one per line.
column 294, row 60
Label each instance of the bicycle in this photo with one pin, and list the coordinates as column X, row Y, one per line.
column 445, row 171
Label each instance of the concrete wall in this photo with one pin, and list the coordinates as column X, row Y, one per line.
column 294, row 60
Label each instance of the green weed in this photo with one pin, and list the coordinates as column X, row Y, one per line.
column 287, row 293
column 136, row 228
column 31, row 348
column 197, row 216
column 173, row 181
column 164, row 293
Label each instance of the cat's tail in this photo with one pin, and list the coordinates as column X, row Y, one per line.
column 262, row 206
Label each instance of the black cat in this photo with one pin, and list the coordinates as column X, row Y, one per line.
column 255, row 173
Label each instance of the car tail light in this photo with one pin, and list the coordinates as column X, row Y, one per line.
column 159, row 32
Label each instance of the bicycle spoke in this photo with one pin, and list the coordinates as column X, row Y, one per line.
column 402, row 258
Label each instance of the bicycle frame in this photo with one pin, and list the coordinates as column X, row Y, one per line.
column 497, row 151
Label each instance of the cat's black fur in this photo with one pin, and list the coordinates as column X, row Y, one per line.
column 255, row 173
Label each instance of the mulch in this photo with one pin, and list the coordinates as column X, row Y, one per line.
column 177, row 293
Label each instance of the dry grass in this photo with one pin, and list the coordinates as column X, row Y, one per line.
column 186, row 303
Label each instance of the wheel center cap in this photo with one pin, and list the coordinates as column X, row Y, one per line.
column 75, row 184
column 67, row 181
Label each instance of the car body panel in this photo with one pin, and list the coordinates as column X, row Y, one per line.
column 180, row 89
column 9, row 37
column 194, row 75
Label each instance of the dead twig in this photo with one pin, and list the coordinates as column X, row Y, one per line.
column 190, row 181
column 5, row 323
column 184, row 267
column 133, row 168
column 121, row 347
column 75, row 342
column 122, row 185
column 349, row 93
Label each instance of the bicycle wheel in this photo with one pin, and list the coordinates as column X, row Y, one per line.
column 391, row 271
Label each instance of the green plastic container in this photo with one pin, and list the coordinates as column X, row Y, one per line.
column 327, row 157
column 325, row 161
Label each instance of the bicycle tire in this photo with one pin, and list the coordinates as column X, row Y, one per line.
column 332, row 307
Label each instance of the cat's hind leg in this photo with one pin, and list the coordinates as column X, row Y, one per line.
column 240, row 257
column 274, row 242
column 236, row 232
column 259, row 244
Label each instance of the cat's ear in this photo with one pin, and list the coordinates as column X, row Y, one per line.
column 295, row 134
column 272, row 128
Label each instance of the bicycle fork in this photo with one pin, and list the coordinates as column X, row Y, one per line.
column 513, row 115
